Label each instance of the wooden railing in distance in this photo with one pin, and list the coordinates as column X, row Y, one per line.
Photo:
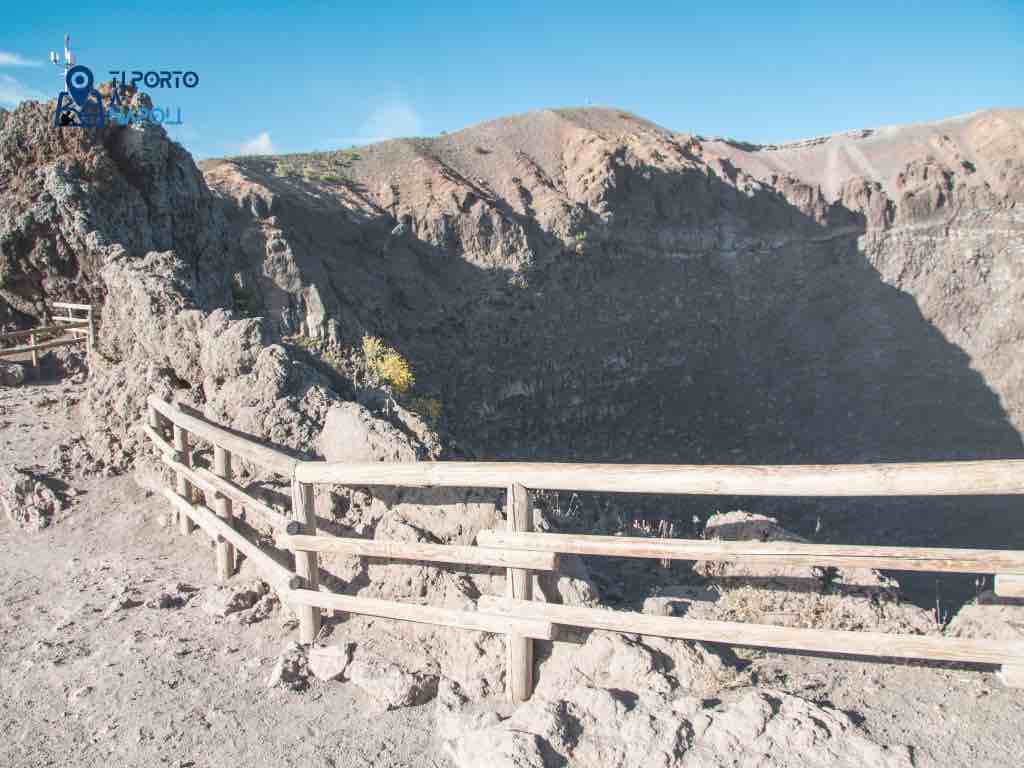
column 81, row 329
column 522, row 551
column 82, row 321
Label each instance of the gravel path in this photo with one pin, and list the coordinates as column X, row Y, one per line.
column 91, row 676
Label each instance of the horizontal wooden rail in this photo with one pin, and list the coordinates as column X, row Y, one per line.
column 71, row 322
column 276, row 520
column 764, row 635
column 163, row 445
column 43, row 330
column 781, row 553
column 209, row 483
column 1009, row 585
column 242, row 447
column 66, row 305
column 43, row 345
column 951, row 478
column 539, row 629
column 414, row 550
column 272, row 571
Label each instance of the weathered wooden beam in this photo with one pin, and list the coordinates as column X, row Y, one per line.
column 239, row 495
column 241, row 446
column 275, row 574
column 1011, row 675
column 414, row 550
column 951, row 478
column 43, row 330
column 873, row 644
column 212, row 485
column 10, row 351
column 1009, row 585
column 162, row 445
column 780, row 553
column 222, row 506
column 519, row 586
column 181, row 481
column 68, row 305
column 422, row 614
column 306, row 563
column 191, row 474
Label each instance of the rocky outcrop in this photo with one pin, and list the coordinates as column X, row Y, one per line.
column 11, row 374
column 583, row 284
column 621, row 704
column 860, row 599
column 991, row 618
column 26, row 500
column 568, row 284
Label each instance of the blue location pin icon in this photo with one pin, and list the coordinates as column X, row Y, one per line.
column 79, row 83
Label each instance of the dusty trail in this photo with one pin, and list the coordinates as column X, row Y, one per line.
column 90, row 675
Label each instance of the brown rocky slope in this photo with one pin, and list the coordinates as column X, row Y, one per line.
column 583, row 284
column 570, row 284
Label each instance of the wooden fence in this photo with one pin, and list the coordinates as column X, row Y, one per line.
column 523, row 552
column 78, row 320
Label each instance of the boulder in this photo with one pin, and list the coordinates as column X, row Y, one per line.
column 570, row 585
column 26, row 500
column 746, row 526
column 225, row 600
column 630, row 662
column 174, row 597
column 11, row 374
column 990, row 618
column 351, row 433
column 588, row 726
column 389, row 684
column 291, row 670
column 330, row 662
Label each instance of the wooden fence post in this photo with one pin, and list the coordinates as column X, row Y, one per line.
column 519, row 671
column 306, row 563
column 35, row 353
column 182, row 486
column 90, row 339
column 223, row 508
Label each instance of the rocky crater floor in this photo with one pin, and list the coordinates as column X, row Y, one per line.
column 118, row 647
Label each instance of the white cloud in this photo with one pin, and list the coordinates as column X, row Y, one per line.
column 8, row 59
column 261, row 145
column 11, row 91
column 393, row 120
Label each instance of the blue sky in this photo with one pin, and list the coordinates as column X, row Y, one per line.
column 328, row 75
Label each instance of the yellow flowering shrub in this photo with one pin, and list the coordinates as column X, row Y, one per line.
column 387, row 365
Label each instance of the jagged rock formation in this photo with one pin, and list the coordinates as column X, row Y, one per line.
column 583, row 284
column 623, row 702
column 569, row 283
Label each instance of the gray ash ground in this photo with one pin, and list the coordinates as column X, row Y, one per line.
column 94, row 673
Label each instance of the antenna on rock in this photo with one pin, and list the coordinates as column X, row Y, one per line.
column 69, row 58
